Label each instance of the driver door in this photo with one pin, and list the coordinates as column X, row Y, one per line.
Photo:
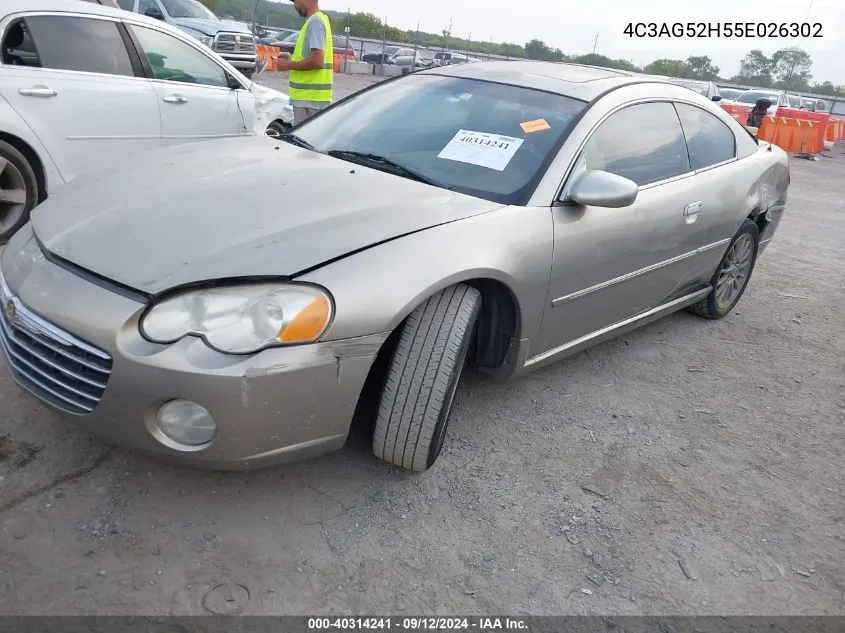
column 613, row 264
column 193, row 90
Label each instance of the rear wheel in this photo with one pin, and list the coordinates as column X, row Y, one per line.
column 733, row 274
column 423, row 376
column 18, row 190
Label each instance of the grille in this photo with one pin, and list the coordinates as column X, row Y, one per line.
column 50, row 363
column 228, row 43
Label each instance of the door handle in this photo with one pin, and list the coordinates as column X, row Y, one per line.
column 39, row 91
column 175, row 99
column 692, row 208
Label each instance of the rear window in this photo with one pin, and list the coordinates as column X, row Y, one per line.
column 484, row 139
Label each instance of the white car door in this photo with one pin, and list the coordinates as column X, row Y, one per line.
column 74, row 82
column 195, row 92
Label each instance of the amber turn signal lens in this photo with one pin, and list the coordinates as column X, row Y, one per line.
column 308, row 324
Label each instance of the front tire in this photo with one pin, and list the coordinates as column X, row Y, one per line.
column 733, row 274
column 18, row 190
column 277, row 129
column 422, row 378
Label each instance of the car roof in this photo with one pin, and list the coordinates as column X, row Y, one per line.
column 11, row 7
column 75, row 6
column 571, row 80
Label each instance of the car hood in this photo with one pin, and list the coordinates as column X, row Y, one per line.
column 233, row 208
column 206, row 27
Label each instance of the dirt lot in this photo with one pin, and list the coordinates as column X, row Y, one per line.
column 688, row 468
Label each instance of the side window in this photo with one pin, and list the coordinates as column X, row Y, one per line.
column 126, row 5
column 68, row 43
column 644, row 143
column 173, row 60
column 145, row 5
column 18, row 47
column 708, row 139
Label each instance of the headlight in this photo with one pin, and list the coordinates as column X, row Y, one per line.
column 242, row 319
column 208, row 41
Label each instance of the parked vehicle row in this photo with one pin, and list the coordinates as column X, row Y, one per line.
column 172, row 310
column 84, row 86
column 779, row 98
column 233, row 43
column 339, row 46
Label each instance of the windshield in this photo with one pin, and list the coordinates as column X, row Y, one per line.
column 187, row 9
column 484, row 139
column 701, row 89
column 728, row 93
column 753, row 96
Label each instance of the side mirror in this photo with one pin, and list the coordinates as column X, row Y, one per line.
column 716, row 98
column 153, row 12
column 597, row 188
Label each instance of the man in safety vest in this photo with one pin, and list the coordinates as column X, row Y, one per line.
column 311, row 67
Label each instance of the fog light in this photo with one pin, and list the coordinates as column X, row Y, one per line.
column 186, row 422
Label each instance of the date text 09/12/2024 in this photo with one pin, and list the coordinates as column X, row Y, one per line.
column 723, row 29
column 480, row 624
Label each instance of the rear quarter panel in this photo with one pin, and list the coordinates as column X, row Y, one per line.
column 12, row 124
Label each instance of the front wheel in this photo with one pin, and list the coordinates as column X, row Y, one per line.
column 423, row 376
column 18, row 190
column 277, row 129
column 733, row 274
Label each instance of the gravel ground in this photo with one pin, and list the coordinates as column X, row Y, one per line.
column 690, row 467
column 344, row 85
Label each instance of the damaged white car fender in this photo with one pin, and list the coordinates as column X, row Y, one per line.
column 270, row 105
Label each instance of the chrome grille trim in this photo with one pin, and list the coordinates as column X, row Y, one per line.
column 227, row 43
column 53, row 365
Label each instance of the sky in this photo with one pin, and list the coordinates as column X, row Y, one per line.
column 573, row 26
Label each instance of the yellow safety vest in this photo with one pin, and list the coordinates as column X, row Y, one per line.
column 313, row 85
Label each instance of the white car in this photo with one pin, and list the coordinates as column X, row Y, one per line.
column 82, row 86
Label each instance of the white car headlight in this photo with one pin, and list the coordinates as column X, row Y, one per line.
column 242, row 319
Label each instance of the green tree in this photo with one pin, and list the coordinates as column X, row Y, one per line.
column 701, row 68
column 594, row 59
column 666, row 67
column 756, row 69
column 212, row 5
column 537, row 49
column 791, row 68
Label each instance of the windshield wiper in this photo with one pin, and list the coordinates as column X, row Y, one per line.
column 380, row 162
column 293, row 139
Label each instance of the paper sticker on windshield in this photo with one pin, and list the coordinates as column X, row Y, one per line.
column 538, row 125
column 493, row 151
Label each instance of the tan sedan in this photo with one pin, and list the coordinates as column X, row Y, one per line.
column 501, row 214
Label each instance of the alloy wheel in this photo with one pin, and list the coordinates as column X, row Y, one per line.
column 12, row 194
column 735, row 271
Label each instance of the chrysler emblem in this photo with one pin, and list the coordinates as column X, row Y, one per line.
column 238, row 39
column 11, row 312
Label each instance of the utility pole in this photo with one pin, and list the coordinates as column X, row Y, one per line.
column 416, row 46
column 469, row 41
column 347, row 29
column 383, row 45
column 596, row 41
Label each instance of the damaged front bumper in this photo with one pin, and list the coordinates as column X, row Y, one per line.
column 279, row 405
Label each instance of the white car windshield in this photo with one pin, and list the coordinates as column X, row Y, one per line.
column 752, row 97
column 187, row 9
column 485, row 139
